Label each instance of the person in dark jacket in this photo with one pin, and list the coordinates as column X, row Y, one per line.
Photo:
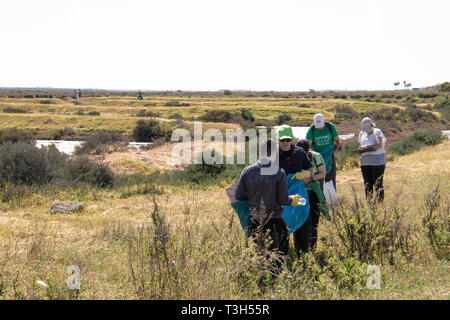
column 266, row 193
column 294, row 160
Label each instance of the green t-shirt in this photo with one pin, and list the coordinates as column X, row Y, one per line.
column 316, row 160
column 322, row 138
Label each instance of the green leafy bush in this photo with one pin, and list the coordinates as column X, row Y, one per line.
column 345, row 157
column 443, row 108
column 436, row 221
column 247, row 115
column 176, row 103
column 176, row 116
column 81, row 169
column 217, row 116
column 415, row 141
column 413, row 113
column 199, row 172
column 57, row 134
column 101, row 141
column 16, row 135
column 148, row 114
column 345, row 113
column 444, row 87
column 149, row 130
column 372, row 233
column 284, row 118
column 23, row 162
column 14, row 110
column 47, row 102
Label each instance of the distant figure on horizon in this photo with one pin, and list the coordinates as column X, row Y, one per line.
column 75, row 94
column 79, row 93
column 141, row 97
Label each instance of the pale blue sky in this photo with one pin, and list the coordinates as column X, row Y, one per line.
column 211, row 45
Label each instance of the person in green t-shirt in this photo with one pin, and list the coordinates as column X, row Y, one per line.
column 320, row 136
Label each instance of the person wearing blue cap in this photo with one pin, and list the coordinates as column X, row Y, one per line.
column 371, row 148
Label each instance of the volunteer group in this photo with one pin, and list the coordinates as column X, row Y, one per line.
column 310, row 161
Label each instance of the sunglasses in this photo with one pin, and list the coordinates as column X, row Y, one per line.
column 286, row 140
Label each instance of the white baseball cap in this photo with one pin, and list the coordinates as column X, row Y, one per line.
column 319, row 121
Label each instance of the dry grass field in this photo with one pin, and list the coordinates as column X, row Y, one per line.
column 161, row 234
column 204, row 253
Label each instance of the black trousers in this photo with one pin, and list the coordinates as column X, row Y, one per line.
column 332, row 174
column 277, row 230
column 305, row 238
column 314, row 214
column 373, row 177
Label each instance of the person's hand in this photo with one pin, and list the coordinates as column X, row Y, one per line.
column 301, row 175
column 295, row 200
column 307, row 180
column 359, row 150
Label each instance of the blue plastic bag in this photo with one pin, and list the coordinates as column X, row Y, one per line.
column 295, row 217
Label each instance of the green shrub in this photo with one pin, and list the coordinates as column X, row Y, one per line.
column 57, row 134
column 444, row 109
column 389, row 127
column 47, row 102
column 101, row 141
column 247, row 115
column 149, row 130
column 284, row 118
column 93, row 113
column 345, row 274
column 23, row 162
column 413, row 113
column 81, row 169
column 427, row 95
column 176, row 116
column 345, row 113
column 444, row 87
column 372, row 233
column 415, row 141
column 437, row 224
column 14, row 110
column 217, row 116
column 148, row 114
column 304, row 105
column 69, row 131
column 345, row 157
column 199, row 172
column 16, row 135
column 227, row 92
column 176, row 103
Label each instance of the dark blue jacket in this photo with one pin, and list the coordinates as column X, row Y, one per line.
column 294, row 161
column 268, row 191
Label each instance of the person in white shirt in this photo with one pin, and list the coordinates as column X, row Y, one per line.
column 371, row 147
